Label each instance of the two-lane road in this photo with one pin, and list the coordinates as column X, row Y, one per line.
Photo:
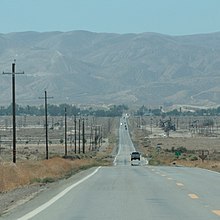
column 125, row 145
column 125, row 192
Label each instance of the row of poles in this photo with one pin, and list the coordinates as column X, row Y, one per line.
column 46, row 122
column 81, row 127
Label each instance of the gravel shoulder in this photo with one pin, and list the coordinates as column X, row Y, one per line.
column 19, row 196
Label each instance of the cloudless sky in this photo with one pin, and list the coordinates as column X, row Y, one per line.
column 173, row 17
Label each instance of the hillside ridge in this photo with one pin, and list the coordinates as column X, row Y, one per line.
column 88, row 67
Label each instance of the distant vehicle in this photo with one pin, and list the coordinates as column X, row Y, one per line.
column 126, row 127
column 135, row 158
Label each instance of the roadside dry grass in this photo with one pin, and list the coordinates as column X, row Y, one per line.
column 26, row 172
column 31, row 172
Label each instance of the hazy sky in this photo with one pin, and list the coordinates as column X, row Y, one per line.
column 173, row 17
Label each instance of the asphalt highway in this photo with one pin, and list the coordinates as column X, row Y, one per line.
column 125, row 192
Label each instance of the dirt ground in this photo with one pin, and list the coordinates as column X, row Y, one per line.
column 30, row 136
column 184, row 146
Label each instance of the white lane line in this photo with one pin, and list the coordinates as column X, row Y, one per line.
column 55, row 198
column 179, row 184
column 211, row 171
column 119, row 149
column 193, row 196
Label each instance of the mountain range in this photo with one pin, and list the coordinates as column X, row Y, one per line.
column 82, row 67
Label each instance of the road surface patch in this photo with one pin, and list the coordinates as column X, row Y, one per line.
column 55, row 198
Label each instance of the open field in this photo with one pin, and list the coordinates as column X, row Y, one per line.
column 184, row 146
column 30, row 144
column 100, row 139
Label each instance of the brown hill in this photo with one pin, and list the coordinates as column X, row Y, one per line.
column 86, row 67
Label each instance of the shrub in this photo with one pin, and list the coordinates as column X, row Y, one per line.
column 193, row 158
column 181, row 149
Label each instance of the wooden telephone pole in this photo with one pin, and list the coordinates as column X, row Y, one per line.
column 46, row 124
column 13, row 109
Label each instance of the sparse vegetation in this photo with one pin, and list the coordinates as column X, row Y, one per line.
column 32, row 168
column 58, row 110
column 183, row 146
column 144, row 111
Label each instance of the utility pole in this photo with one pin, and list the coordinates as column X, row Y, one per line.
column 75, row 132
column 101, row 135
column 0, row 144
column 65, row 135
column 151, row 130
column 14, row 109
column 95, row 137
column 79, row 135
column 83, row 134
column 46, row 126
column 90, row 141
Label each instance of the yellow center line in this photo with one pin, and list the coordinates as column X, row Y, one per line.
column 163, row 175
column 179, row 184
column 193, row 196
column 169, row 178
column 217, row 212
